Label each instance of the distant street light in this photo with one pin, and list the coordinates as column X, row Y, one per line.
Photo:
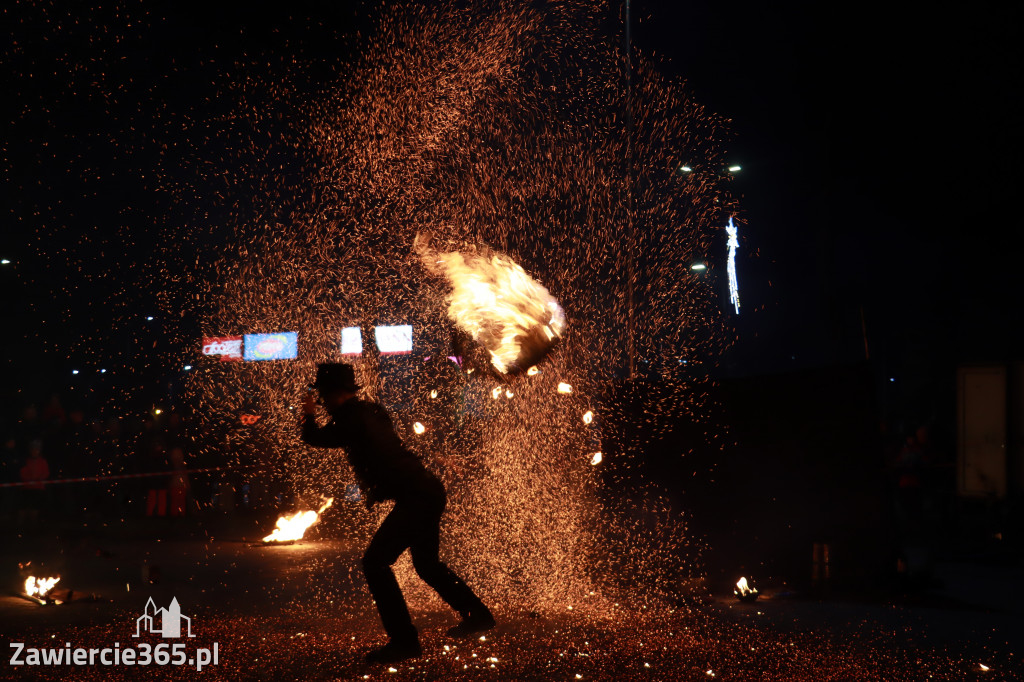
column 698, row 267
column 735, row 169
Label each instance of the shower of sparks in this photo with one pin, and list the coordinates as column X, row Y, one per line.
column 285, row 190
column 734, row 243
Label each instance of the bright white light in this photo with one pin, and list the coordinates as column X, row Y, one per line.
column 588, row 417
column 698, row 266
column 187, row 367
column 734, row 243
column 158, row 411
column 150, row 318
column 596, row 459
column 74, row 371
column 735, row 169
column 685, row 169
column 564, row 387
column 351, row 341
column 419, row 428
column 509, row 394
column 103, row 371
column 5, row 262
column 892, row 378
column 394, row 339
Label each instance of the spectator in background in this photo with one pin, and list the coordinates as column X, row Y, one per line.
column 53, row 413
column 34, row 474
column 179, row 487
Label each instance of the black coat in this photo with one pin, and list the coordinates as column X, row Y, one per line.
column 385, row 469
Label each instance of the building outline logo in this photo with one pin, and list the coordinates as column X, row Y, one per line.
column 163, row 622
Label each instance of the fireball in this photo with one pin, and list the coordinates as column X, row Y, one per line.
column 511, row 315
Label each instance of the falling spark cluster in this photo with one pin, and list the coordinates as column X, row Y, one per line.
column 287, row 197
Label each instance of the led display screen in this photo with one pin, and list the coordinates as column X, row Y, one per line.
column 227, row 347
column 279, row 346
column 396, row 339
column 351, row 341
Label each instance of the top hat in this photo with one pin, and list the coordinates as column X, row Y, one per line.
column 335, row 376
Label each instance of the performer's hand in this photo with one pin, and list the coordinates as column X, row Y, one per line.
column 309, row 404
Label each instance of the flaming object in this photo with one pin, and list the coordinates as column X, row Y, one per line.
column 596, row 459
column 40, row 587
column 419, row 428
column 294, row 526
column 745, row 591
column 502, row 308
column 588, row 417
column 564, row 387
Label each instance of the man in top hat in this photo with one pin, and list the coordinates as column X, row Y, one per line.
column 386, row 470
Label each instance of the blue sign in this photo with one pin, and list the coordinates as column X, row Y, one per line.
column 279, row 346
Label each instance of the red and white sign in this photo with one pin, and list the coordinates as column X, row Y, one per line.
column 227, row 347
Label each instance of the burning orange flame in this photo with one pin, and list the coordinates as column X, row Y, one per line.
column 743, row 588
column 493, row 300
column 294, row 526
column 39, row 587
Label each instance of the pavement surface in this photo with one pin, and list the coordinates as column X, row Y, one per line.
column 301, row 612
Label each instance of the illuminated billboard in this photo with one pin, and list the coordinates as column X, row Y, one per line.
column 351, row 341
column 227, row 347
column 392, row 340
column 279, row 346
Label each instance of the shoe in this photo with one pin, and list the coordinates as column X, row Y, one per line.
column 395, row 652
column 473, row 624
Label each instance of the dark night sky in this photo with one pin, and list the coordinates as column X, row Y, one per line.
column 877, row 145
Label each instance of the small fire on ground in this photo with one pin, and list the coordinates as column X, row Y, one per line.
column 745, row 591
column 292, row 527
column 40, row 588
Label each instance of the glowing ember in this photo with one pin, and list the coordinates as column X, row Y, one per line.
column 501, row 307
column 39, row 587
column 496, row 392
column 293, row 527
column 533, row 371
column 419, row 428
column 564, row 387
column 588, row 416
column 745, row 591
column 433, row 394
column 596, row 459
column 508, row 393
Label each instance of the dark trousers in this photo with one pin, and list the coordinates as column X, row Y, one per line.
column 414, row 523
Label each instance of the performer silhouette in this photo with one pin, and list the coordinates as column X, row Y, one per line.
column 386, row 470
